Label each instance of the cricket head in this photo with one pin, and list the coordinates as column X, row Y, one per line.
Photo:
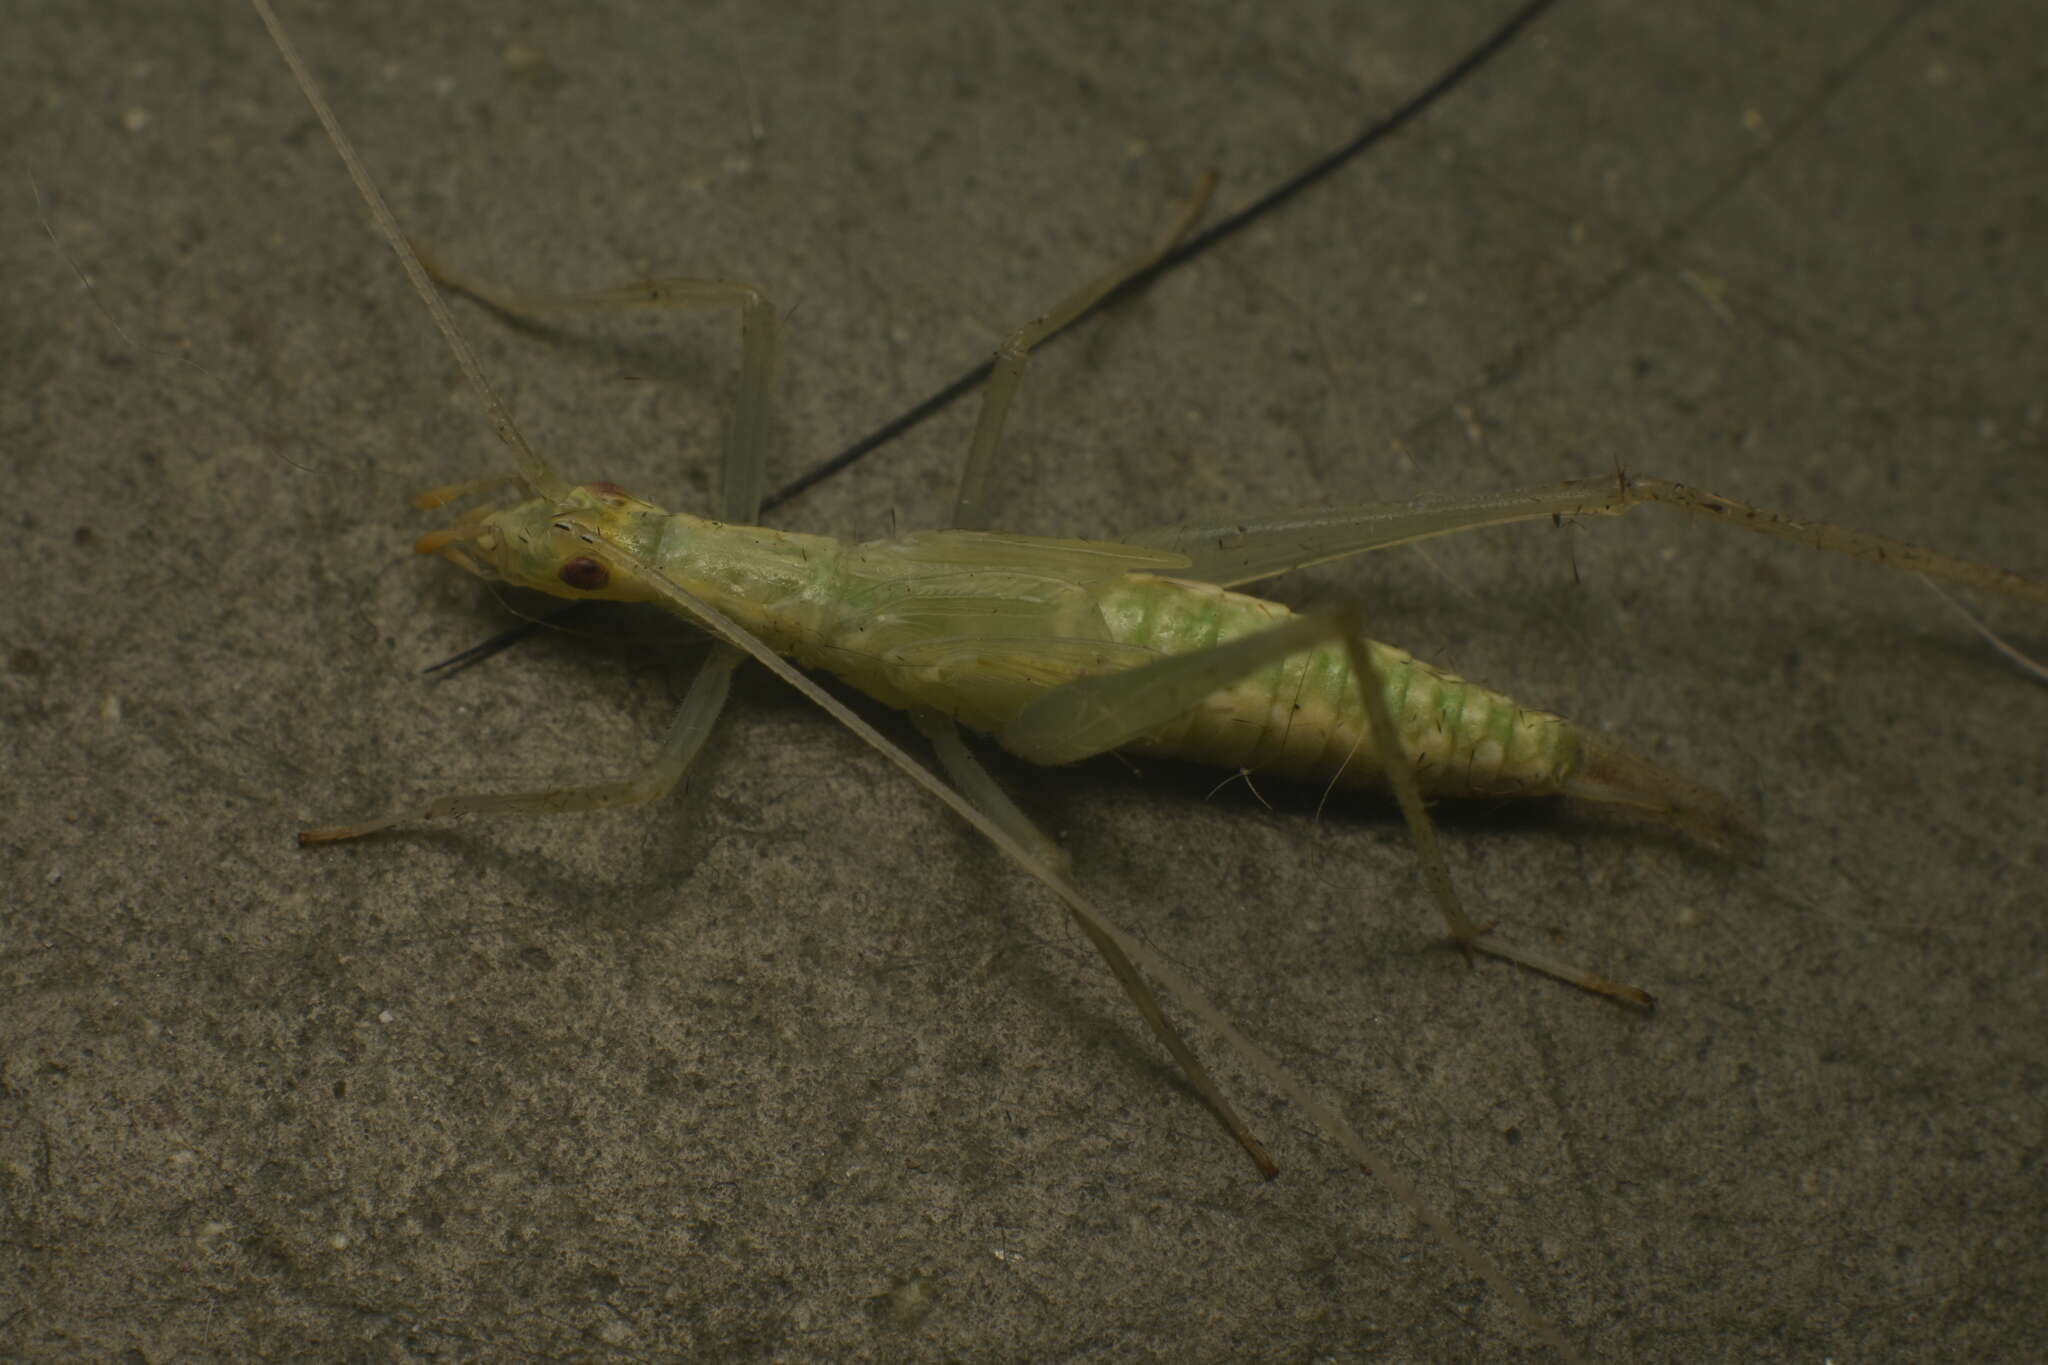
column 578, row 546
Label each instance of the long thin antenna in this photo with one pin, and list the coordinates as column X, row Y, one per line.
column 539, row 475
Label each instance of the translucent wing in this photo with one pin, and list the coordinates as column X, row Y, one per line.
column 1243, row 551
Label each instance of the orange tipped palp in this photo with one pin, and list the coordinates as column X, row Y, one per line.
column 447, row 544
column 450, row 492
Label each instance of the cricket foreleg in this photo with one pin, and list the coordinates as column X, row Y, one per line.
column 743, row 475
column 679, row 750
column 1107, row 711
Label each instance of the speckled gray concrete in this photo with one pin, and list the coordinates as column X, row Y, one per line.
column 792, row 1068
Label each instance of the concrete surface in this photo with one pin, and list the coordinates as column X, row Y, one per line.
column 793, row 1069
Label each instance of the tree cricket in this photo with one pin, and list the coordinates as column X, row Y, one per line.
column 596, row 539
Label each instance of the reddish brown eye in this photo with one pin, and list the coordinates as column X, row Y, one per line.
column 585, row 574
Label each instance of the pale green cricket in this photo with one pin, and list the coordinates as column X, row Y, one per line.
column 1062, row 649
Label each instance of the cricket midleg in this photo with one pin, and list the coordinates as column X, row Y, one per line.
column 974, row 783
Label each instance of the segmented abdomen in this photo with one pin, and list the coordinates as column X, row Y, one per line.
column 1305, row 717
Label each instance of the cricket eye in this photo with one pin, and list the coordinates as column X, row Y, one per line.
column 587, row 575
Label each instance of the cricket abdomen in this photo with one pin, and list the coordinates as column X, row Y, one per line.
column 976, row 626
column 1305, row 716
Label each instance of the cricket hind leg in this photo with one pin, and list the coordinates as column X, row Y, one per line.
column 1230, row 553
column 1233, row 552
column 1075, row 722
column 1104, row 712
